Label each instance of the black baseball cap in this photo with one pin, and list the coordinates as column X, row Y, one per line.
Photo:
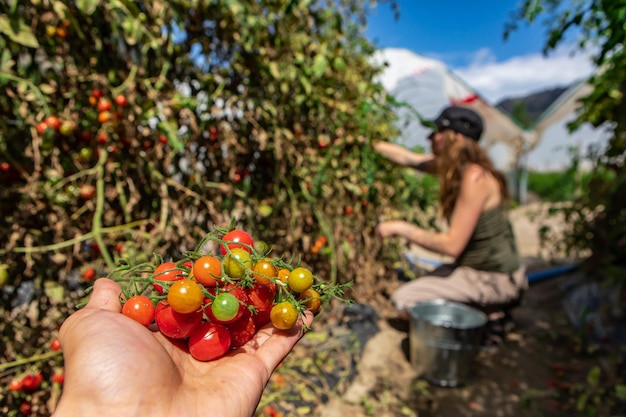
column 461, row 120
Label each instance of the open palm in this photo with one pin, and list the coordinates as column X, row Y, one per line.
column 115, row 366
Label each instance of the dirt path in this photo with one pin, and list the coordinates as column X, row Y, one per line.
column 524, row 377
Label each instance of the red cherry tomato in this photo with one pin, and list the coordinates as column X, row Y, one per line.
column 42, row 127
column 89, row 274
column 140, row 309
column 55, row 345
column 207, row 270
column 16, row 385
column 176, row 325
column 167, row 271
column 96, row 93
column 242, row 330
column 235, row 237
column 26, row 407
column 31, row 382
column 209, row 341
column 185, row 296
column 53, row 122
column 104, row 105
column 58, row 376
column 121, row 100
column 261, row 297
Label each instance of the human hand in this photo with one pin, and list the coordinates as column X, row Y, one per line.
column 115, row 366
column 390, row 228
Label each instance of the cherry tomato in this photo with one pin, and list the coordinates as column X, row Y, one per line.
column 300, row 279
column 53, row 122
column 96, row 93
column 42, row 127
column 58, row 376
column 185, row 296
column 16, row 385
column 104, row 116
column 311, row 300
column 236, row 263
column 225, row 307
column 237, row 236
column 55, row 345
column 263, row 271
column 222, row 316
column 86, row 191
column 283, row 274
column 121, row 100
column 242, row 330
column 176, row 325
column 209, row 341
column 140, row 309
column 66, row 128
column 104, row 105
column 31, row 382
column 26, row 407
column 284, row 315
column 167, row 271
column 261, row 297
column 207, row 270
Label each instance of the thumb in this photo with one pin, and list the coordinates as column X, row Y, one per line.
column 105, row 295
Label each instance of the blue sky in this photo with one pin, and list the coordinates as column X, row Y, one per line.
column 453, row 30
column 467, row 36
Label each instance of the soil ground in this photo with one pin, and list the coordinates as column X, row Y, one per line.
column 528, row 375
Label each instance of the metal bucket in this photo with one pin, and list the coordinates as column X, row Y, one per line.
column 444, row 338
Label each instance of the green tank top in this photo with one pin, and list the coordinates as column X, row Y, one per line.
column 492, row 246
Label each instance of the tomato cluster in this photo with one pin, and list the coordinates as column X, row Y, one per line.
column 217, row 302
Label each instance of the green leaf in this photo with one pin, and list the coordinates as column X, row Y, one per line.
column 319, row 65
column 54, row 291
column 593, row 377
column 620, row 392
column 18, row 31
column 5, row 61
column 87, row 6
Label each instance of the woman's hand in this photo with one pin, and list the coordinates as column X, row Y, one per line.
column 115, row 366
column 391, row 228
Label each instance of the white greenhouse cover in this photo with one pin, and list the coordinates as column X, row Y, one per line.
column 426, row 86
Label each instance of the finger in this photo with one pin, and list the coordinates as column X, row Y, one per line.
column 105, row 295
column 280, row 343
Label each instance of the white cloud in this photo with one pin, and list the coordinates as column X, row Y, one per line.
column 523, row 74
column 496, row 80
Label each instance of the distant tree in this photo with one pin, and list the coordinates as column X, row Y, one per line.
column 521, row 115
column 597, row 217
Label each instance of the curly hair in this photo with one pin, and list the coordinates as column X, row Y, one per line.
column 452, row 165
